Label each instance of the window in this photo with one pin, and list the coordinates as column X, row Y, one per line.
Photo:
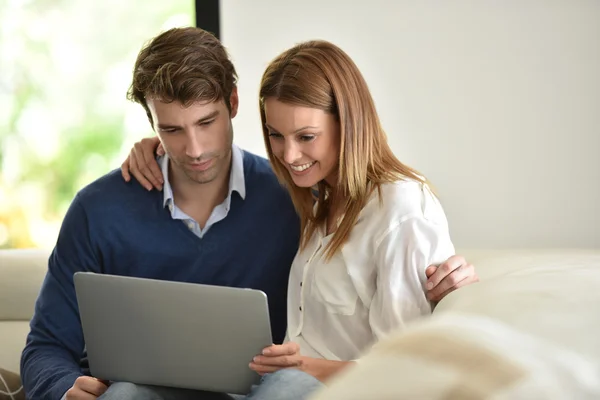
column 64, row 119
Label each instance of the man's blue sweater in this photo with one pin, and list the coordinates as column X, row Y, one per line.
column 116, row 227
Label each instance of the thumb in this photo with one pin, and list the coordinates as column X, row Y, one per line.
column 430, row 270
column 291, row 348
column 160, row 150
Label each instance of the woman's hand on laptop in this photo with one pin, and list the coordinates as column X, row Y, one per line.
column 287, row 355
column 276, row 357
column 86, row 388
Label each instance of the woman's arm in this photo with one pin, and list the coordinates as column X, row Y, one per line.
column 401, row 257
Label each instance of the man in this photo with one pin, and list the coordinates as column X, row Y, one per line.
column 222, row 218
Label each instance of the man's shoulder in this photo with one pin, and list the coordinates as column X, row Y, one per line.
column 257, row 170
column 111, row 188
column 261, row 180
column 256, row 163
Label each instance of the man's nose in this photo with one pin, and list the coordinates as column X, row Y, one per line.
column 193, row 147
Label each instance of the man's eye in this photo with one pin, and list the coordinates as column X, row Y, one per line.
column 205, row 123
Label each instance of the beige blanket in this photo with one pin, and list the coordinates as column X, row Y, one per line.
column 453, row 356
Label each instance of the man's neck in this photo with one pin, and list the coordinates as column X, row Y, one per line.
column 198, row 199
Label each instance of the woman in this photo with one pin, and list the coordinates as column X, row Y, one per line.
column 370, row 224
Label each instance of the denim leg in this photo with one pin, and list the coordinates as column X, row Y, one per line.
column 131, row 391
column 285, row 384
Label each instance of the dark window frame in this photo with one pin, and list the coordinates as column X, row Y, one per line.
column 208, row 16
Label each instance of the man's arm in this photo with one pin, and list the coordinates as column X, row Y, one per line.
column 55, row 345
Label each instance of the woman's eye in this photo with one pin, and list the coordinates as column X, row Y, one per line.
column 306, row 138
column 275, row 135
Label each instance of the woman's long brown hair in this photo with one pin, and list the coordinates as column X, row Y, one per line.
column 320, row 75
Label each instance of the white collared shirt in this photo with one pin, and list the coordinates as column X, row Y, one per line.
column 376, row 284
column 236, row 183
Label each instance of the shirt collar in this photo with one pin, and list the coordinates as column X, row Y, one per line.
column 236, row 176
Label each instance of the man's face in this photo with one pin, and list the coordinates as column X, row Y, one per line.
column 197, row 138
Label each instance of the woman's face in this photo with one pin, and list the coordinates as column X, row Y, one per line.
column 306, row 141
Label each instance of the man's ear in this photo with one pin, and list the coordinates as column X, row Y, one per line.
column 234, row 102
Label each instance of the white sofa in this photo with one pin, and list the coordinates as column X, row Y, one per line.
column 529, row 330
column 550, row 295
column 21, row 275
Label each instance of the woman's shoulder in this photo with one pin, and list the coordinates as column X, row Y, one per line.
column 405, row 199
column 403, row 196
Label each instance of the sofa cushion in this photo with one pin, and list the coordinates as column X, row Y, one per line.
column 21, row 274
column 549, row 294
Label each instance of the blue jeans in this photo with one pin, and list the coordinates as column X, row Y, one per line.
column 286, row 384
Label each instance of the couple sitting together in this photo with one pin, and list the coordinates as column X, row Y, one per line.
column 348, row 243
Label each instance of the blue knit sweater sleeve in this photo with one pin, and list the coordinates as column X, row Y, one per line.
column 55, row 345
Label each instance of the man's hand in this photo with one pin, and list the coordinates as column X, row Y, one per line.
column 452, row 274
column 142, row 164
column 276, row 357
column 86, row 388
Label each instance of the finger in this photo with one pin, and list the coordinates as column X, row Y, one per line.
column 280, row 361
column 264, row 369
column 444, row 270
column 430, row 270
column 144, row 161
column 92, row 385
column 149, row 146
column 460, row 284
column 289, row 348
column 125, row 170
column 78, row 394
column 448, row 284
column 160, row 150
column 157, row 173
column 133, row 168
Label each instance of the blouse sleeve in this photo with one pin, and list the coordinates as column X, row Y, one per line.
column 401, row 257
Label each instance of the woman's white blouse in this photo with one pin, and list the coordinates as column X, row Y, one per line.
column 376, row 283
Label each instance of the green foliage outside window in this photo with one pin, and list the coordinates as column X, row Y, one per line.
column 65, row 67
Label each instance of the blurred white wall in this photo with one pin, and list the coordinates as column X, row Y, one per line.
column 497, row 102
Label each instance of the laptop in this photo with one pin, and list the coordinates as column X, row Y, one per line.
column 173, row 334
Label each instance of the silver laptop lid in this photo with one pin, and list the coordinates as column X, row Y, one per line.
column 173, row 334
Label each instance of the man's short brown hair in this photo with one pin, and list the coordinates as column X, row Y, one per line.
column 185, row 65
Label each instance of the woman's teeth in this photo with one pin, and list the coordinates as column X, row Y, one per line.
column 300, row 168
